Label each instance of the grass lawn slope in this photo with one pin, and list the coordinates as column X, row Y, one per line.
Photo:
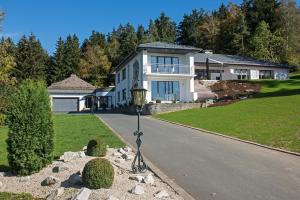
column 72, row 132
column 271, row 118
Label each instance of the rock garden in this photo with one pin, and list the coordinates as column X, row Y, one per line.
column 106, row 174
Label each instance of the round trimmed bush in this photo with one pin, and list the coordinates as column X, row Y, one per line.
column 98, row 173
column 96, row 148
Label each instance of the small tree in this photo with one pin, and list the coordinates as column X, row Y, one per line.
column 30, row 137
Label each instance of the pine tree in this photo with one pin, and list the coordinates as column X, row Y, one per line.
column 31, row 59
column 128, row 40
column 166, row 28
column 141, row 34
column 72, row 54
column 152, row 33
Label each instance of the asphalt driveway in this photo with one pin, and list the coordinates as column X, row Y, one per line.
column 212, row 167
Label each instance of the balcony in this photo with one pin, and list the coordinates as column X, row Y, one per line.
column 167, row 69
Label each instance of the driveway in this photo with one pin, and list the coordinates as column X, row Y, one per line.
column 212, row 167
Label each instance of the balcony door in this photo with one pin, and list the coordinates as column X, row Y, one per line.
column 165, row 90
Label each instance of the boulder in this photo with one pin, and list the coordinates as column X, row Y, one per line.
column 138, row 190
column 121, row 151
column 127, row 156
column 138, row 178
column 81, row 154
column 149, row 179
column 49, row 181
column 68, row 156
column 55, row 194
column 83, row 194
column 60, row 168
column 111, row 197
column 161, row 194
column 75, row 179
column 24, row 179
column 127, row 149
column 84, row 148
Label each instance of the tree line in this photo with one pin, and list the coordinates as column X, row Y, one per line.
column 262, row 29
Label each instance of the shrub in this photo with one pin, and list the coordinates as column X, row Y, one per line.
column 98, row 173
column 30, row 137
column 2, row 119
column 158, row 101
column 96, row 148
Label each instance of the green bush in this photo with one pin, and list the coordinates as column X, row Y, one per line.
column 98, row 173
column 30, row 137
column 96, row 148
column 2, row 119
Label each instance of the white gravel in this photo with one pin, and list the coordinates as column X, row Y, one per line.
column 120, row 188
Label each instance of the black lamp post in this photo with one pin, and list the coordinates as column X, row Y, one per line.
column 138, row 164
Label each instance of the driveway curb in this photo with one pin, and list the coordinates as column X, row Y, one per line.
column 179, row 190
column 230, row 137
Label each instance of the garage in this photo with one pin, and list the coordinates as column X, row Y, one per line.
column 65, row 104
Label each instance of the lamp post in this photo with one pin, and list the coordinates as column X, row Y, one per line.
column 138, row 164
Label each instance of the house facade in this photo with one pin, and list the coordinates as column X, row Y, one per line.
column 166, row 71
column 232, row 67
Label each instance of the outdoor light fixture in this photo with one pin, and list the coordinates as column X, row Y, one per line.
column 138, row 95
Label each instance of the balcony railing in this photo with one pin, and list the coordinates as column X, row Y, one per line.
column 168, row 69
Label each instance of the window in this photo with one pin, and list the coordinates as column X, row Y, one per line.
column 124, row 94
column 266, row 74
column 164, row 64
column 118, row 78
column 124, row 74
column 242, row 74
column 119, row 96
column 165, row 90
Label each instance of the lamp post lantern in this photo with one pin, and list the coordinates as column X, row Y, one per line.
column 138, row 164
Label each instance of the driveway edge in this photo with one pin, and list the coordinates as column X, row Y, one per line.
column 179, row 190
column 230, row 137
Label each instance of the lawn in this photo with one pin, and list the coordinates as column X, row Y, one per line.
column 72, row 132
column 271, row 118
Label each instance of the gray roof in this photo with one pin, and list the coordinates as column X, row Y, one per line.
column 233, row 59
column 164, row 45
column 72, row 83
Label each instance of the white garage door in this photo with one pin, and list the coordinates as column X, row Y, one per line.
column 64, row 104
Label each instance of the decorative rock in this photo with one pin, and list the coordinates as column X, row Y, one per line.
column 60, row 168
column 138, row 190
column 127, row 156
column 83, row 194
column 111, row 197
column 68, row 156
column 149, row 179
column 138, row 178
column 81, row 154
column 161, row 194
column 55, row 194
column 118, row 160
column 24, row 179
column 84, row 148
column 128, row 149
column 49, row 181
column 121, row 151
column 75, row 179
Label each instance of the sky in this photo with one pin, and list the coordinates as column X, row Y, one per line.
column 51, row 19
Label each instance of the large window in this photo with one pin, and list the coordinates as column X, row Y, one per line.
column 163, row 64
column 266, row 74
column 165, row 90
column 242, row 74
column 124, row 74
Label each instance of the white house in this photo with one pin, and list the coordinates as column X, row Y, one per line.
column 165, row 70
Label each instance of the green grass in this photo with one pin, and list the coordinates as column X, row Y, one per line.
column 72, row 132
column 271, row 118
column 12, row 196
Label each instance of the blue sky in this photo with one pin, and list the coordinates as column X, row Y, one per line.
column 53, row 18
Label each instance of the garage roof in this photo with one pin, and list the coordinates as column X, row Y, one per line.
column 72, row 83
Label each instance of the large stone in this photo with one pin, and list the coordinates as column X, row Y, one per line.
column 83, row 194
column 55, row 194
column 24, row 179
column 138, row 190
column 127, row 156
column 81, row 154
column 161, row 194
column 149, row 179
column 127, row 149
column 60, row 168
column 69, row 155
column 49, row 181
column 111, row 197
column 75, row 179
column 121, row 151
column 138, row 178
column 84, row 148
